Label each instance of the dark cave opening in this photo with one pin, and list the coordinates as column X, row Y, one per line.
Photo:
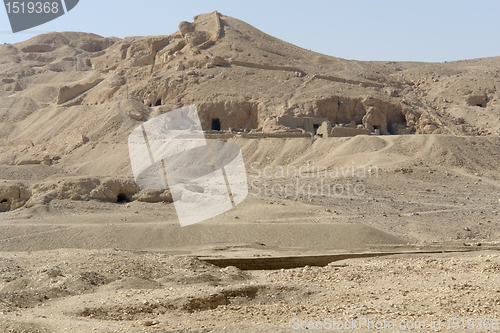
column 216, row 124
column 478, row 100
column 391, row 128
column 122, row 198
column 4, row 205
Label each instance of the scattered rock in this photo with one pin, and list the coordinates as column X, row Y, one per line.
column 134, row 114
column 152, row 196
column 218, row 61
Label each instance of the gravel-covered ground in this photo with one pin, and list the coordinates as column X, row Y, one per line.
column 121, row 291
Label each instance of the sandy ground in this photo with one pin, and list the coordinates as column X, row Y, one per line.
column 95, row 266
column 111, row 290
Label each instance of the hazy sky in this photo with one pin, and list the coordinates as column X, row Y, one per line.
column 412, row 30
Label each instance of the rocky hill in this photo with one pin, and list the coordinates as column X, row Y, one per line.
column 69, row 100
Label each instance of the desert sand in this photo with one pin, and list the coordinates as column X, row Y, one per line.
column 414, row 235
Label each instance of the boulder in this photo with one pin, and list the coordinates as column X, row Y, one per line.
column 153, row 196
column 134, row 109
column 185, row 28
column 218, row 61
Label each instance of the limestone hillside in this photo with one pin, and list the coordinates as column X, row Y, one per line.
column 71, row 99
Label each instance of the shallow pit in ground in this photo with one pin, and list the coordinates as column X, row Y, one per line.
column 478, row 100
column 242, row 295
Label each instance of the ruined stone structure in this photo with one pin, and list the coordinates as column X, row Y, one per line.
column 308, row 124
column 374, row 122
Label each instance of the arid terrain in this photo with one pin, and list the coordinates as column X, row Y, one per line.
column 400, row 225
